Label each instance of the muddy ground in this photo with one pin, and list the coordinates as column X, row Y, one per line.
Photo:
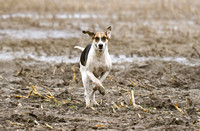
column 39, row 93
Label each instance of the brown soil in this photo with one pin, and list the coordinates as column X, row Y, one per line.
column 40, row 95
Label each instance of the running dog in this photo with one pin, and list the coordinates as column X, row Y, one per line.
column 95, row 64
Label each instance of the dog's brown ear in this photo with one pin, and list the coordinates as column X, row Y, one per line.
column 91, row 34
column 108, row 32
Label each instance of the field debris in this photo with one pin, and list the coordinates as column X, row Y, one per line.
column 35, row 92
column 133, row 99
column 170, row 71
column 196, row 50
column 48, row 126
column 134, row 105
column 113, row 109
column 146, row 86
column 14, row 123
column 20, row 72
column 74, row 72
column 189, row 101
column 100, row 125
column 181, row 111
column 133, row 83
column 18, row 96
column 54, row 71
column 36, row 122
column 50, row 96
column 116, row 106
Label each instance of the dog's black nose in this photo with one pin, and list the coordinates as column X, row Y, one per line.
column 100, row 46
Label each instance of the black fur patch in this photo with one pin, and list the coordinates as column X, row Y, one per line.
column 84, row 54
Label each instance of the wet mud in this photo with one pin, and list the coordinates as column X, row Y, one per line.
column 155, row 56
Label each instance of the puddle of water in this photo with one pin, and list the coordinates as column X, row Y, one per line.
column 7, row 56
column 50, row 16
column 36, row 34
column 120, row 59
column 168, row 26
column 135, row 58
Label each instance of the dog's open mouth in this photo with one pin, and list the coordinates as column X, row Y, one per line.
column 100, row 50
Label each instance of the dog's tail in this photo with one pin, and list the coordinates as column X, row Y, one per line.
column 78, row 47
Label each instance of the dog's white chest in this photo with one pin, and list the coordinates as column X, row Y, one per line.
column 100, row 65
column 98, row 71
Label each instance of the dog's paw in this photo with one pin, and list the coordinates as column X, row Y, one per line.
column 88, row 105
column 95, row 104
column 102, row 90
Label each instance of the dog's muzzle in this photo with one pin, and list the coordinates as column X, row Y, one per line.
column 101, row 46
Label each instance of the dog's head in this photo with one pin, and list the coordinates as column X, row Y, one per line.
column 100, row 39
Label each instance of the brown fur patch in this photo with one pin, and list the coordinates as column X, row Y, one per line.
column 100, row 35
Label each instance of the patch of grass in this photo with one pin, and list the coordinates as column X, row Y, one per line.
column 150, row 107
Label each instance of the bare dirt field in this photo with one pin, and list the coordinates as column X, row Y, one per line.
column 155, row 49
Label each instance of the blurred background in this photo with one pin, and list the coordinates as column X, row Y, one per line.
column 146, row 27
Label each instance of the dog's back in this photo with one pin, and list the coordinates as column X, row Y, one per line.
column 84, row 54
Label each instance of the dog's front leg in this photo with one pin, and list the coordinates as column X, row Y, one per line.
column 92, row 97
column 97, row 82
column 103, row 77
column 86, row 83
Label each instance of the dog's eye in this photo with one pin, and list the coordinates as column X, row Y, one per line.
column 96, row 39
column 103, row 39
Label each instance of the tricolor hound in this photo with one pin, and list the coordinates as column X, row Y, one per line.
column 95, row 64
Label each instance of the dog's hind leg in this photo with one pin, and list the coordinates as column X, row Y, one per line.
column 93, row 100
